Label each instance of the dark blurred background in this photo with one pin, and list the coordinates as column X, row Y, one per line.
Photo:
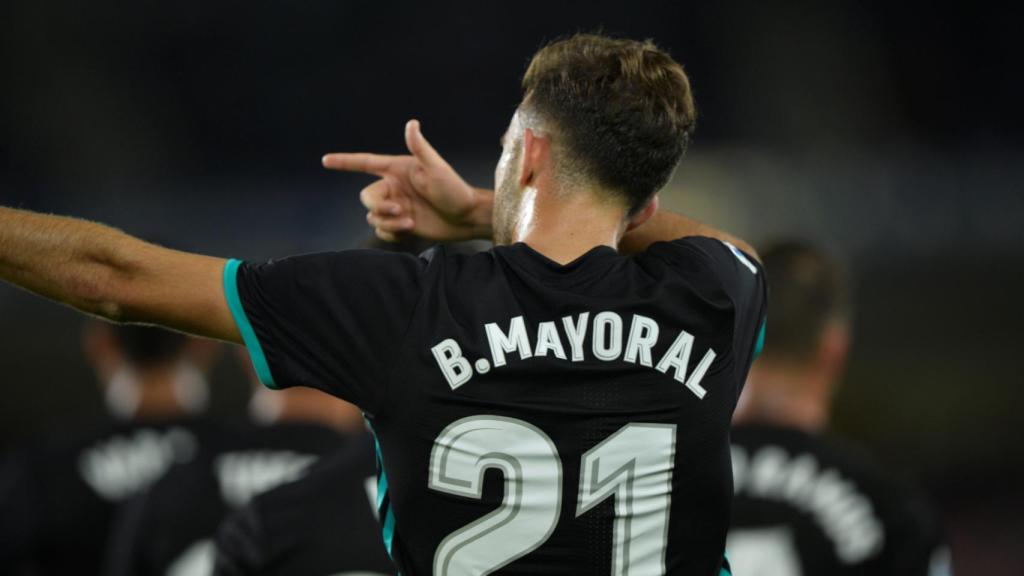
column 889, row 132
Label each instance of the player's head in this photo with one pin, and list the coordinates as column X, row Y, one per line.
column 807, row 337
column 148, row 369
column 603, row 116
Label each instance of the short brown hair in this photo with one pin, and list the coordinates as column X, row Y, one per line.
column 624, row 108
column 806, row 292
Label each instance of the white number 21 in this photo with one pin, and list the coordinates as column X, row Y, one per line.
column 634, row 465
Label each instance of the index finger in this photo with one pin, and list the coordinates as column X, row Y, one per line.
column 377, row 164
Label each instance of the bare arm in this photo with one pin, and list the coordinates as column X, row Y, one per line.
column 666, row 226
column 103, row 271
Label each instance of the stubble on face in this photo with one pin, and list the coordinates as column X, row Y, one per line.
column 508, row 196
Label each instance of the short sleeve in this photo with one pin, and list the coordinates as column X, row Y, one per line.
column 740, row 276
column 331, row 321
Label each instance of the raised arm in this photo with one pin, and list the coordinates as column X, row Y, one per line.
column 418, row 193
column 666, row 226
column 103, row 271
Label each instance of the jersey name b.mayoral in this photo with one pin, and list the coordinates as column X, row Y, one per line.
column 531, row 417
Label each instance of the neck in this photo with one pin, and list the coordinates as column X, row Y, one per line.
column 791, row 398
column 565, row 228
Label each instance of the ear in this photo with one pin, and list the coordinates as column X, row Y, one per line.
column 536, row 154
column 644, row 214
column 834, row 349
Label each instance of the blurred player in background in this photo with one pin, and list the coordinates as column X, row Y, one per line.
column 805, row 504
column 57, row 501
column 170, row 528
column 323, row 524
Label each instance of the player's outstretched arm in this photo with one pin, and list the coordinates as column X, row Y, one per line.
column 418, row 193
column 667, row 226
column 103, row 271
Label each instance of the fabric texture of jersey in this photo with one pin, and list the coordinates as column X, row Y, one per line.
column 170, row 528
column 807, row 505
column 532, row 417
column 321, row 525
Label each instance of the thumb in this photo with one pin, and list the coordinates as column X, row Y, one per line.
column 419, row 147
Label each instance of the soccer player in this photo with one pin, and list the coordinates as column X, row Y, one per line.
column 58, row 500
column 559, row 404
column 806, row 504
column 324, row 523
column 170, row 528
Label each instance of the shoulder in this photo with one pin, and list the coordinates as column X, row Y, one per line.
column 312, row 270
column 704, row 254
column 722, row 275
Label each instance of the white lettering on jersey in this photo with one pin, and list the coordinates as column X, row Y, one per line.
column 678, row 357
column 370, row 485
column 576, row 332
column 244, row 475
column 455, row 368
column 844, row 514
column 607, row 344
column 123, row 466
column 548, row 340
column 607, row 336
column 643, row 335
column 197, row 560
column 941, row 563
column 763, row 552
column 515, row 340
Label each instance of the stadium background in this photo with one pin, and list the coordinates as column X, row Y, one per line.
column 891, row 133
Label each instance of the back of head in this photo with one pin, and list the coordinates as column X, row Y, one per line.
column 807, row 295
column 806, row 342
column 149, row 347
column 622, row 108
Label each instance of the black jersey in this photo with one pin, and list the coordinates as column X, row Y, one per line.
column 320, row 525
column 806, row 505
column 170, row 528
column 532, row 417
column 58, row 500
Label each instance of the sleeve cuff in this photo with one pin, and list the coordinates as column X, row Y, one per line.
column 252, row 343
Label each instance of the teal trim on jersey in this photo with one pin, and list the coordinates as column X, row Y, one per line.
column 388, row 524
column 252, row 343
column 382, row 486
column 759, row 346
column 389, row 532
column 725, row 571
